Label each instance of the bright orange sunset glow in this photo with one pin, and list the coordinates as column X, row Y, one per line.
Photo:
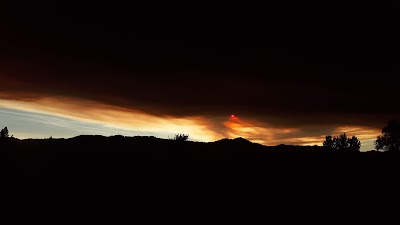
column 199, row 128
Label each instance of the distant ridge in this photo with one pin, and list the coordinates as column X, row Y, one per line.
column 147, row 164
column 41, row 156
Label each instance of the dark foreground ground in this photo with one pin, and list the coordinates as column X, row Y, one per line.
column 96, row 175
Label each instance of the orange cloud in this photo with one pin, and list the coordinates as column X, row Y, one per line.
column 269, row 135
column 250, row 130
column 362, row 133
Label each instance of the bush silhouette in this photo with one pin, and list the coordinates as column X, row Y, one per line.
column 390, row 138
column 181, row 137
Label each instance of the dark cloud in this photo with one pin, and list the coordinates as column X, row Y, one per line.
column 286, row 65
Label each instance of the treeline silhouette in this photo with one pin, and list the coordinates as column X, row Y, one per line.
column 342, row 142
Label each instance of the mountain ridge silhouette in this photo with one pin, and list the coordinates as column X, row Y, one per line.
column 26, row 153
column 148, row 171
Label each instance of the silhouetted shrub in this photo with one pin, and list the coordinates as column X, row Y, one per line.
column 390, row 138
column 181, row 137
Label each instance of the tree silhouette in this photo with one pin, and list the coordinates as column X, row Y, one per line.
column 4, row 133
column 390, row 138
column 354, row 143
column 328, row 142
column 342, row 142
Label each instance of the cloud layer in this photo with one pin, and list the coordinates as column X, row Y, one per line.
column 289, row 77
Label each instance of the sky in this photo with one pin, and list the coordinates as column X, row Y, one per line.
column 291, row 73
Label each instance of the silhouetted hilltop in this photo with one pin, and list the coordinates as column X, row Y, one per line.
column 235, row 140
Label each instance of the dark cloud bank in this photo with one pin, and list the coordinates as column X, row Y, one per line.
column 289, row 65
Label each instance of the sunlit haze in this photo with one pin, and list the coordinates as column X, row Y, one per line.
column 66, row 117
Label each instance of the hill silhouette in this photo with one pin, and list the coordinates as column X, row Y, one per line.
column 123, row 156
column 154, row 174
